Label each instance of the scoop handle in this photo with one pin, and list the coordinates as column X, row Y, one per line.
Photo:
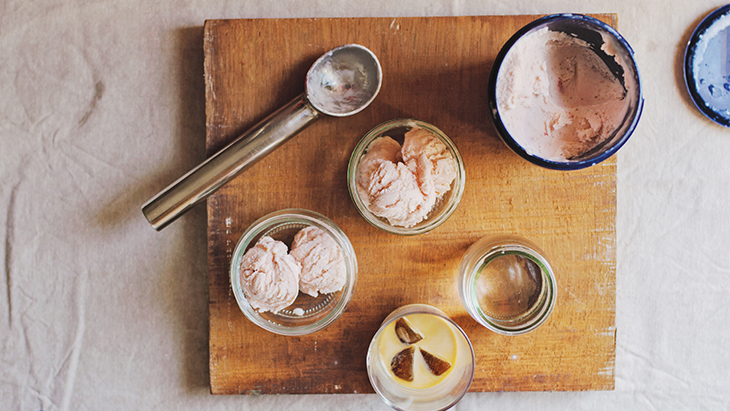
column 236, row 157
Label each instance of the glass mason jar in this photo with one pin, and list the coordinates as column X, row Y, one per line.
column 507, row 285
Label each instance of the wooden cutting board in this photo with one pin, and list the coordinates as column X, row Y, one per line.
column 436, row 70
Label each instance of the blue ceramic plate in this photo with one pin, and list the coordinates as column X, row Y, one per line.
column 707, row 66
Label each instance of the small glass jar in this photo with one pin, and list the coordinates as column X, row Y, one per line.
column 307, row 314
column 444, row 207
column 507, row 285
column 449, row 387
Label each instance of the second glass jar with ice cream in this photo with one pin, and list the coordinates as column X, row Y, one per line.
column 406, row 177
column 293, row 272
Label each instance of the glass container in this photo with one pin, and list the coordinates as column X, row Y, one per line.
column 307, row 314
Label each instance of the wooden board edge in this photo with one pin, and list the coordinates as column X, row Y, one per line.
column 609, row 18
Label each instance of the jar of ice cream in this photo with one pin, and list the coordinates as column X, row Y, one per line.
column 420, row 359
column 293, row 272
column 406, row 177
column 507, row 284
column 565, row 92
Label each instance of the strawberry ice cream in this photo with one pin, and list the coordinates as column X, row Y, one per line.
column 323, row 265
column 421, row 148
column 402, row 185
column 269, row 275
column 557, row 98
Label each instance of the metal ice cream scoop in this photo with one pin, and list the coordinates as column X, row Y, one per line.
column 340, row 83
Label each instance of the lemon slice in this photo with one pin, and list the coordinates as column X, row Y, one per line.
column 435, row 364
column 406, row 334
column 402, row 364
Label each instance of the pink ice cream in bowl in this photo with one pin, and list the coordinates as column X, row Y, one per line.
column 406, row 177
column 293, row 272
column 565, row 92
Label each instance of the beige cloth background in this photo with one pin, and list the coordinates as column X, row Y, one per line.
column 102, row 105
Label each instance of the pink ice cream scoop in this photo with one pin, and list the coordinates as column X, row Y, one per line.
column 323, row 265
column 381, row 150
column 402, row 185
column 420, row 147
column 269, row 275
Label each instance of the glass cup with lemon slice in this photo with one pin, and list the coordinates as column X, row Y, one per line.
column 420, row 359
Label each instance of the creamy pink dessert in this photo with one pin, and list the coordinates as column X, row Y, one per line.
column 269, row 275
column 556, row 97
column 423, row 151
column 402, row 184
column 323, row 265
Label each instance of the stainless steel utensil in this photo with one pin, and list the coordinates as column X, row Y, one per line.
column 340, row 83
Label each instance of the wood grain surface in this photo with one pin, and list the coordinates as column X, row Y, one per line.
column 436, row 70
